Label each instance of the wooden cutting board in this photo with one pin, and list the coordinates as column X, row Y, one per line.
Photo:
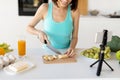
column 56, row 61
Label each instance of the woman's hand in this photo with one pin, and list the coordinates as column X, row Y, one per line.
column 70, row 52
column 43, row 37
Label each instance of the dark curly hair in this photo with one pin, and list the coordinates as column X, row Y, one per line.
column 74, row 4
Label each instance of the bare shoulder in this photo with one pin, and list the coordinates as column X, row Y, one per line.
column 42, row 10
column 75, row 13
column 43, row 7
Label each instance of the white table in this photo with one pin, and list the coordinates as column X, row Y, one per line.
column 79, row 70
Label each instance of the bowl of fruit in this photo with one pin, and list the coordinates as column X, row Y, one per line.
column 5, row 48
column 94, row 53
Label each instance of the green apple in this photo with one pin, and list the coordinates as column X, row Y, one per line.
column 118, row 55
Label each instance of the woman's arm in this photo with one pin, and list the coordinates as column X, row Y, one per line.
column 39, row 15
column 75, row 16
column 74, row 40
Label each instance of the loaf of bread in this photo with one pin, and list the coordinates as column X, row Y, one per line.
column 18, row 66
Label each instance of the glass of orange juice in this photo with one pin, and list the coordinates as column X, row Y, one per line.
column 21, row 47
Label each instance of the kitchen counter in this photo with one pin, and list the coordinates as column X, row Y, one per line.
column 79, row 70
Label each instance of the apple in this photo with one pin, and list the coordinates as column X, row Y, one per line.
column 118, row 55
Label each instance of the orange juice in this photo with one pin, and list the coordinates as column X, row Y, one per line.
column 21, row 47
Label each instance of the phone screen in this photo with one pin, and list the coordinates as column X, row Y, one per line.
column 99, row 37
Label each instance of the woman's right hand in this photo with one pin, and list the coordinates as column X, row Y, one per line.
column 43, row 37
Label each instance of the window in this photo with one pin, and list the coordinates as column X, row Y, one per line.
column 29, row 7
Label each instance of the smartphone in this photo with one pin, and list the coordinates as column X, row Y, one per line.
column 99, row 36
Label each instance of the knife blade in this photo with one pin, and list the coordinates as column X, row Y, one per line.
column 52, row 48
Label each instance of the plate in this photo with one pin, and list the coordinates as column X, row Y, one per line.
column 93, row 54
column 11, row 72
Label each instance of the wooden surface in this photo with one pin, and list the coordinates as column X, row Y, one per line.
column 83, row 7
column 66, row 60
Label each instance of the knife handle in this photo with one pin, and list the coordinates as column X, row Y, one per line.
column 45, row 41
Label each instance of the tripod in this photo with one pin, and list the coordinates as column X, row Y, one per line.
column 101, row 55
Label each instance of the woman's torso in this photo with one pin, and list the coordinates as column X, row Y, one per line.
column 58, row 31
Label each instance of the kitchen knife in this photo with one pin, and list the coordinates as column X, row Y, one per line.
column 52, row 48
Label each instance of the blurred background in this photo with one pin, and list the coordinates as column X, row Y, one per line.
column 13, row 24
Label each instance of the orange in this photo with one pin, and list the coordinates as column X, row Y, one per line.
column 21, row 47
column 2, row 51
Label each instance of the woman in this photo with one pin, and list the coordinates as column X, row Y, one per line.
column 61, row 21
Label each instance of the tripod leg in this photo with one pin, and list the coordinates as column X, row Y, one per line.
column 94, row 63
column 99, row 68
column 100, row 64
column 108, row 65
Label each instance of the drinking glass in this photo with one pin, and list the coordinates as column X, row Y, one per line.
column 21, row 46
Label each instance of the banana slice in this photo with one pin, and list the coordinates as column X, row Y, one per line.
column 54, row 57
column 49, row 57
column 62, row 56
column 45, row 57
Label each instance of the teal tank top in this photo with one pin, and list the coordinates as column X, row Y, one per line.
column 59, row 33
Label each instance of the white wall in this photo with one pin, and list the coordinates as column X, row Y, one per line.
column 104, row 6
column 12, row 25
column 90, row 25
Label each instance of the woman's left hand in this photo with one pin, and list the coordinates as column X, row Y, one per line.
column 70, row 52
